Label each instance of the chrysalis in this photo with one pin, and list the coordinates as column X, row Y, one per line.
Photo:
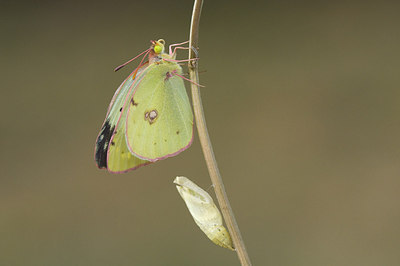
column 204, row 212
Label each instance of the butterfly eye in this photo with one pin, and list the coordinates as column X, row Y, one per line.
column 158, row 49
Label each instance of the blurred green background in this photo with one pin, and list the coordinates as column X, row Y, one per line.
column 303, row 106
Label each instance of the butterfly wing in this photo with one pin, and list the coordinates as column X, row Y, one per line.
column 119, row 158
column 111, row 150
column 160, row 120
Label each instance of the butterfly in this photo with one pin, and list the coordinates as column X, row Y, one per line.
column 149, row 117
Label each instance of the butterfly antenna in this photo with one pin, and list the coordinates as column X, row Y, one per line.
column 124, row 64
column 140, row 65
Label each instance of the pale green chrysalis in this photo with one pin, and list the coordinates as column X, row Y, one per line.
column 204, row 212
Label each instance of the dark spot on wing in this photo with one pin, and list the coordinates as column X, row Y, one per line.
column 120, row 109
column 133, row 102
column 102, row 144
column 151, row 116
column 167, row 76
column 112, row 143
column 177, row 132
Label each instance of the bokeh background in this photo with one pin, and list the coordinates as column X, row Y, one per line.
column 303, row 106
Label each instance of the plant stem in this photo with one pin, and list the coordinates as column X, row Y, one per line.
column 206, row 143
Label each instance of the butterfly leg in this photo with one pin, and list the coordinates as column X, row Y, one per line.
column 185, row 48
column 182, row 77
column 175, row 44
column 179, row 61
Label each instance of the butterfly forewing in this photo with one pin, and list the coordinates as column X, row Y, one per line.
column 111, row 149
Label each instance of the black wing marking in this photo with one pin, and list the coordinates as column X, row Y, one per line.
column 102, row 142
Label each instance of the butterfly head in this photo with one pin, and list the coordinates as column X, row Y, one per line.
column 158, row 46
column 156, row 50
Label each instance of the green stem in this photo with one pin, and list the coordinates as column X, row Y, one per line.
column 206, row 142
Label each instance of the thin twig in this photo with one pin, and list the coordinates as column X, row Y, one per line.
column 206, row 143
